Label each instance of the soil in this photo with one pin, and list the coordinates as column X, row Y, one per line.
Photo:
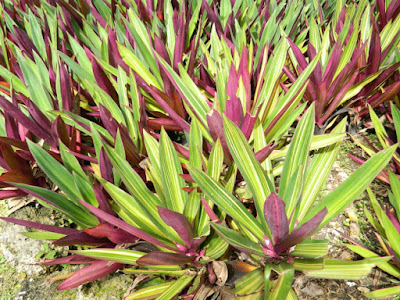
column 22, row 284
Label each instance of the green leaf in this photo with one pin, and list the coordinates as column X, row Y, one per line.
column 135, row 63
column 70, row 161
column 150, row 292
column 192, row 207
column 321, row 164
column 395, row 186
column 353, row 186
column 75, row 211
column 117, row 255
column 195, row 144
column 226, row 201
column 190, row 91
column 249, row 167
column 146, row 221
column 85, row 188
column 284, row 283
column 237, row 240
column 387, row 267
column 170, row 169
column 384, row 293
column 55, row 171
column 350, row 270
column 298, row 154
column 175, row 288
column 43, row 235
column 308, row 264
column 311, row 249
column 133, row 182
column 215, row 246
column 36, row 91
column 249, row 283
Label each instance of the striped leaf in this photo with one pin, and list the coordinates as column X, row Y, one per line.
column 150, row 292
column 308, row 264
column 249, row 167
column 321, row 164
column 249, row 283
column 54, row 170
column 237, row 240
column 150, row 223
column 284, row 282
column 117, row 255
column 176, row 287
column 353, row 186
column 298, row 154
column 226, row 201
column 350, row 270
column 311, row 249
column 387, row 267
column 170, row 168
column 384, row 293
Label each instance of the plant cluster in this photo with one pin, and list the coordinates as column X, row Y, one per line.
column 189, row 140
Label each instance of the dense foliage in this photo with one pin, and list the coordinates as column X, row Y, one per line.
column 185, row 138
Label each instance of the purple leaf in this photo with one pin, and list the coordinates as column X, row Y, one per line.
column 80, row 238
column 395, row 256
column 114, row 57
column 14, row 142
column 106, row 168
column 244, row 74
column 12, row 160
column 262, row 154
column 7, row 194
column 247, row 125
column 157, row 95
column 115, row 235
column 36, row 114
column 60, row 130
column 101, row 197
column 164, row 258
column 393, row 219
column 56, row 229
column 275, row 215
column 65, row 88
column 178, row 222
column 95, row 271
column 301, row 234
column 17, row 176
column 109, row 122
column 180, row 37
column 168, row 124
column 298, row 54
column 25, row 121
column 102, row 79
column 210, row 212
column 333, row 63
column 69, row 260
column 216, row 128
column 124, row 226
column 24, row 42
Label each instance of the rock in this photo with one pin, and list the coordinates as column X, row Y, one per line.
column 363, row 289
column 111, row 287
column 313, row 290
column 19, row 250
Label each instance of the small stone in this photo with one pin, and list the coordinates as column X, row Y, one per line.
column 312, row 289
column 351, row 284
column 363, row 289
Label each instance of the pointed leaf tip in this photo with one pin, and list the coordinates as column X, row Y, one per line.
column 302, row 233
column 276, row 218
column 178, row 222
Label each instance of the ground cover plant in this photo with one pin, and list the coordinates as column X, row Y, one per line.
column 189, row 141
